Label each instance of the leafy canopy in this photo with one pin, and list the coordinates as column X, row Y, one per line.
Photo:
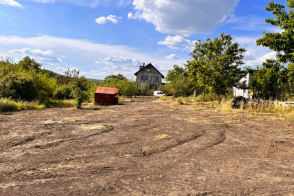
column 269, row 79
column 281, row 42
column 215, row 65
column 174, row 73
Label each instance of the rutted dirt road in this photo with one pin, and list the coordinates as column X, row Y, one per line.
column 144, row 147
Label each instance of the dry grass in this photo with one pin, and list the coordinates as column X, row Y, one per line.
column 161, row 137
column 63, row 103
column 163, row 98
column 91, row 127
column 226, row 107
column 277, row 111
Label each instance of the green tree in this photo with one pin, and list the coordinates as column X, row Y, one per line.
column 63, row 92
column 116, row 78
column 179, row 86
column 215, row 65
column 281, row 42
column 128, row 88
column 5, row 78
column 144, row 88
column 80, row 88
column 174, row 73
column 269, row 79
column 79, row 95
column 27, row 63
column 290, row 81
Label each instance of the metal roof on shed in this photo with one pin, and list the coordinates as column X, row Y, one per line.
column 106, row 90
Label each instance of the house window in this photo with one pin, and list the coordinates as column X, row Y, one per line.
column 153, row 87
column 153, row 79
column 107, row 96
column 145, row 78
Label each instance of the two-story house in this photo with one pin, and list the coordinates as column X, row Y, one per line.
column 149, row 74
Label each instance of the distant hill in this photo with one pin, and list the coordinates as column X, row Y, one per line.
column 95, row 80
column 53, row 74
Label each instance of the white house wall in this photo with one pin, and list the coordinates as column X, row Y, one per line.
column 240, row 92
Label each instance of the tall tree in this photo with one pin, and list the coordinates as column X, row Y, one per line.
column 181, row 86
column 115, row 78
column 269, row 80
column 281, row 42
column 215, row 65
column 174, row 73
column 29, row 63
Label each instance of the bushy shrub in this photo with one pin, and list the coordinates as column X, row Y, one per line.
column 143, row 89
column 79, row 96
column 63, row 92
column 207, row 97
column 180, row 100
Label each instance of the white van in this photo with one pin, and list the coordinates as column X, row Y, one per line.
column 158, row 94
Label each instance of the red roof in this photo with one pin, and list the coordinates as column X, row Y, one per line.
column 106, row 90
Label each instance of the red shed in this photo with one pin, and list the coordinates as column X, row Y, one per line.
column 106, row 95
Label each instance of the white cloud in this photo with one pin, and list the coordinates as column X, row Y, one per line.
column 104, row 20
column 4, row 56
column 119, row 60
column 254, row 60
column 183, row 17
column 178, row 41
column 47, row 57
column 172, row 57
column 37, row 52
column 10, row 3
column 125, row 65
column 83, row 54
column 255, row 55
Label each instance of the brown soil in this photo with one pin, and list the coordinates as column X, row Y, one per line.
column 144, row 147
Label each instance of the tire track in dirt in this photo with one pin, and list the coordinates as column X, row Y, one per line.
column 179, row 143
column 209, row 139
column 204, row 140
column 54, row 143
column 58, row 142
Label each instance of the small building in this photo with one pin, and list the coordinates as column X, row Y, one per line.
column 105, row 95
column 149, row 74
column 247, row 93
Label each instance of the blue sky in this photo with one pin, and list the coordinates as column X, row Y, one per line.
column 102, row 37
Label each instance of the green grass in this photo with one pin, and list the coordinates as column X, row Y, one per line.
column 7, row 105
column 62, row 103
column 12, row 105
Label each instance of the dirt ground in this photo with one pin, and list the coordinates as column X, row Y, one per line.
column 145, row 147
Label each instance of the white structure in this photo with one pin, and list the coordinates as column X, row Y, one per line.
column 244, row 93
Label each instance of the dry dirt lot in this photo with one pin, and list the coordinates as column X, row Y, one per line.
column 144, row 147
